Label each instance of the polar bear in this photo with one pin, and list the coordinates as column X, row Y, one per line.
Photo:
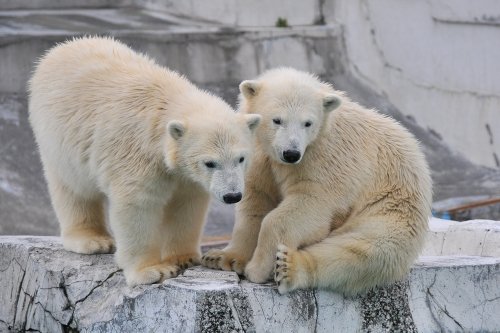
column 338, row 196
column 112, row 126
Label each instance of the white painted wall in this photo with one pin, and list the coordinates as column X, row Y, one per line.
column 436, row 60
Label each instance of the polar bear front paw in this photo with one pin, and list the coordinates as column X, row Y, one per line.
column 184, row 261
column 151, row 274
column 225, row 260
column 89, row 245
column 285, row 270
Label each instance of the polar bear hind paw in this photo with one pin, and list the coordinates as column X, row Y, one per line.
column 284, row 273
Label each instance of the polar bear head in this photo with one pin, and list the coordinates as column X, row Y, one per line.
column 293, row 106
column 212, row 146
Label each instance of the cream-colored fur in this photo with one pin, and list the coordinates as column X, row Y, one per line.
column 351, row 214
column 113, row 126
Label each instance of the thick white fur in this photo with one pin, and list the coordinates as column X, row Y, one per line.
column 351, row 215
column 112, row 125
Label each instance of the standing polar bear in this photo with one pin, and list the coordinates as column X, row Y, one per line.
column 111, row 124
column 338, row 196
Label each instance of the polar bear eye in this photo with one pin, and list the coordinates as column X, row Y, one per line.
column 210, row 164
column 307, row 124
column 277, row 121
column 242, row 159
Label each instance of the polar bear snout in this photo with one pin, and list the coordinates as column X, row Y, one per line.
column 228, row 184
column 291, row 156
column 232, row 198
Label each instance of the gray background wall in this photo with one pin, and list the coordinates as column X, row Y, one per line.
column 431, row 65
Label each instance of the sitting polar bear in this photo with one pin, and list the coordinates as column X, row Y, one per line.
column 111, row 124
column 338, row 196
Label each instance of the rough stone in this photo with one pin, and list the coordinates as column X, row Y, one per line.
column 44, row 288
column 473, row 238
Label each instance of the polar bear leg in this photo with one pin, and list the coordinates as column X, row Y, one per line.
column 183, row 221
column 82, row 222
column 136, row 226
column 299, row 220
column 337, row 263
column 372, row 254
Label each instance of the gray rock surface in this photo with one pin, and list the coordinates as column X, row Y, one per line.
column 44, row 288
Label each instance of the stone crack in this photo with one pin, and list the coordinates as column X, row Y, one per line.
column 18, row 291
column 99, row 284
column 49, row 313
column 314, row 291
column 379, row 49
column 431, row 299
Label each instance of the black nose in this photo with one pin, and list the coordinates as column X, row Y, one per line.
column 231, row 198
column 291, row 156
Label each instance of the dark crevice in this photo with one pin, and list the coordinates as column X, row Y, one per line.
column 490, row 134
column 99, row 284
column 314, row 292
column 49, row 313
column 431, row 299
column 497, row 160
column 320, row 20
column 19, row 290
column 444, row 310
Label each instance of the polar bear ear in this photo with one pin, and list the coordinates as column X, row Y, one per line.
column 176, row 129
column 331, row 102
column 253, row 120
column 249, row 88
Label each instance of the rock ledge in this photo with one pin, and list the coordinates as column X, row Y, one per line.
column 46, row 289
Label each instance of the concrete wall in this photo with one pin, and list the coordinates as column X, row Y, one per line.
column 256, row 13
column 437, row 61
